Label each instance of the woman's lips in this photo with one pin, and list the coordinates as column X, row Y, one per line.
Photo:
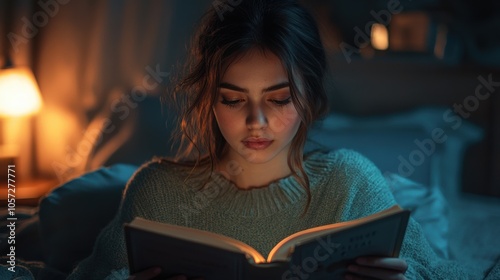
column 257, row 144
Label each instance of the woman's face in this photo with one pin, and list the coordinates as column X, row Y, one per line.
column 254, row 109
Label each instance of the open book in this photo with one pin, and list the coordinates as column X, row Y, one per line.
column 319, row 253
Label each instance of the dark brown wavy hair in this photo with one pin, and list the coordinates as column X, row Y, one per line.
column 226, row 32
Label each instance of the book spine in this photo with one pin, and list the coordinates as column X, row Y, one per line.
column 274, row 270
column 404, row 218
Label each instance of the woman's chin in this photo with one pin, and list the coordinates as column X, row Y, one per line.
column 259, row 156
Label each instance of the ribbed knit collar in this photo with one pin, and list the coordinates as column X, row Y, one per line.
column 277, row 196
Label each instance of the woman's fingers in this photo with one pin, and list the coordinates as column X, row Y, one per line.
column 389, row 263
column 377, row 268
column 367, row 272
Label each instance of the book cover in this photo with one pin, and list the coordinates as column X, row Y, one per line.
column 318, row 253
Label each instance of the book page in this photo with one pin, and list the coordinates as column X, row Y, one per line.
column 283, row 250
column 198, row 236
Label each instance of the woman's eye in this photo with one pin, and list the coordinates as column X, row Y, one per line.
column 230, row 103
column 282, row 102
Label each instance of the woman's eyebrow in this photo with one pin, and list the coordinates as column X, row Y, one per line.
column 268, row 89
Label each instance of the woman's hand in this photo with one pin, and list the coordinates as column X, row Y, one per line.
column 377, row 268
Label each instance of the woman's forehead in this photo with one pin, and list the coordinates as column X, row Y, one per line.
column 255, row 64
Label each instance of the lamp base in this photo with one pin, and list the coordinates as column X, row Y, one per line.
column 7, row 159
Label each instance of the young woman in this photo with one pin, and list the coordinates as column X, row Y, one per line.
column 252, row 89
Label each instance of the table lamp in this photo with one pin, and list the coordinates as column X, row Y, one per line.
column 19, row 97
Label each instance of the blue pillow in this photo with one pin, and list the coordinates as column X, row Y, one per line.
column 428, row 207
column 72, row 215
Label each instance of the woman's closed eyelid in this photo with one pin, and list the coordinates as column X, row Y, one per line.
column 282, row 102
column 223, row 98
column 233, row 101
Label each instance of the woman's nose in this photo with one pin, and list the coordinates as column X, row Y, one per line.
column 256, row 118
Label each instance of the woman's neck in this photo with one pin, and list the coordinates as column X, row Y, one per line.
column 246, row 175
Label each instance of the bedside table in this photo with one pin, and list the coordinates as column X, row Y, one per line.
column 27, row 192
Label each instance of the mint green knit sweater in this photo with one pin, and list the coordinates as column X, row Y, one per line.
column 344, row 186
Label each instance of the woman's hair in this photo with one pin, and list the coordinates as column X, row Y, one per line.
column 227, row 31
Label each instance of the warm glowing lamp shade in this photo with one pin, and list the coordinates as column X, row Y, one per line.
column 19, row 92
column 380, row 37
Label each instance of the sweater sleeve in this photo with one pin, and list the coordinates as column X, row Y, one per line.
column 423, row 263
column 370, row 194
column 109, row 256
